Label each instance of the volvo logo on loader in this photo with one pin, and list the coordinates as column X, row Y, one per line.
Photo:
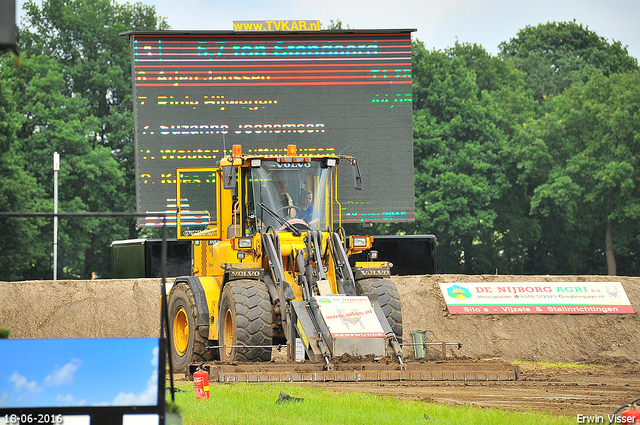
column 245, row 273
column 293, row 165
column 376, row 272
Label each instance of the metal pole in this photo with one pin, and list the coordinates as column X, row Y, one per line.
column 56, row 168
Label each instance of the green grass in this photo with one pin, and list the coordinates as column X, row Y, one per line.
column 255, row 404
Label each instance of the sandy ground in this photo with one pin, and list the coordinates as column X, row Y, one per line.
column 606, row 344
column 565, row 391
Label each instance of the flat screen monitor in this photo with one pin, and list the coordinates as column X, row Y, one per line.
column 91, row 381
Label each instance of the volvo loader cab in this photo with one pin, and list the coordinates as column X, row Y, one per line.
column 270, row 265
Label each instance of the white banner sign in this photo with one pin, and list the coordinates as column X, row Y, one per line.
column 536, row 298
column 349, row 317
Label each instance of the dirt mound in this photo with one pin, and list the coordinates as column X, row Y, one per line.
column 587, row 338
column 130, row 308
column 81, row 308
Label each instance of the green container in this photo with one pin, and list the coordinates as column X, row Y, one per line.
column 419, row 337
column 128, row 259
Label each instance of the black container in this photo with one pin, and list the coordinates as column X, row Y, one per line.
column 410, row 254
column 143, row 258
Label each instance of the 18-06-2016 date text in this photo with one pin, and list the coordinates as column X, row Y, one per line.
column 33, row 418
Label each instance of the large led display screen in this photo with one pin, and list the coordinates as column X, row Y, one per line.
column 348, row 92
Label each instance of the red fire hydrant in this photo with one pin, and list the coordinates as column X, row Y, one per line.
column 201, row 384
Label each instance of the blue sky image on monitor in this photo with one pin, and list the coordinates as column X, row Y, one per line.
column 79, row 372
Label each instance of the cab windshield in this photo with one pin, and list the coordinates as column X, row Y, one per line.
column 297, row 193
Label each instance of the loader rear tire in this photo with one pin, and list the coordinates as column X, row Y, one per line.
column 245, row 320
column 386, row 293
column 188, row 341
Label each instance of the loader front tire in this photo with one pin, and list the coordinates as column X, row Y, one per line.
column 245, row 324
column 386, row 293
column 188, row 341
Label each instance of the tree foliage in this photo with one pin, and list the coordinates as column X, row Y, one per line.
column 522, row 170
column 74, row 87
column 458, row 153
column 19, row 191
column 591, row 138
column 556, row 55
column 335, row 25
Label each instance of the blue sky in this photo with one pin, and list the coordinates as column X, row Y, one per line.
column 78, row 372
column 438, row 22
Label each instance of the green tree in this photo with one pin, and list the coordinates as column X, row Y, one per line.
column 83, row 36
column 53, row 122
column 458, row 155
column 586, row 173
column 19, row 191
column 75, row 92
column 556, row 55
column 335, row 25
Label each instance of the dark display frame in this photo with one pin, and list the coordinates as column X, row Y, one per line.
column 99, row 415
column 342, row 91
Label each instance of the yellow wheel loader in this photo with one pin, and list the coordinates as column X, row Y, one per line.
column 270, row 268
column 271, row 265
